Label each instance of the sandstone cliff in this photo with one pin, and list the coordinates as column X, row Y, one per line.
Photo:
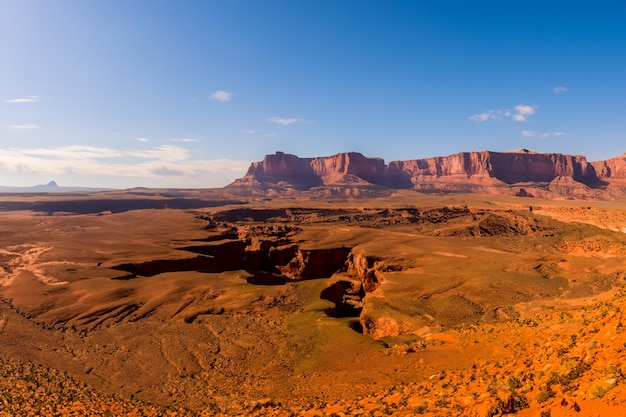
column 613, row 173
column 611, row 168
column 522, row 172
column 342, row 168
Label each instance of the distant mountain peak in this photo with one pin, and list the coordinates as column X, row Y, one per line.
column 51, row 187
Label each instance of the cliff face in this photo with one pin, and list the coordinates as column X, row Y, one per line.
column 279, row 168
column 296, row 173
column 281, row 165
column 516, row 167
column 541, row 175
column 611, row 168
column 335, row 168
column 460, row 165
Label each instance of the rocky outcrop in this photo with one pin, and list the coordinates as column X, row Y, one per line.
column 343, row 168
column 611, row 168
column 347, row 297
column 463, row 165
column 522, row 173
column 315, row 263
column 349, row 168
column 509, row 168
column 528, row 167
column 365, row 269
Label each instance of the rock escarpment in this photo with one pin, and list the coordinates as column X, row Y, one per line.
column 613, row 173
column 303, row 173
column 611, row 168
column 523, row 173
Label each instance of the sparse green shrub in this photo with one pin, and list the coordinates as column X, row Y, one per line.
column 543, row 396
column 599, row 391
column 513, row 383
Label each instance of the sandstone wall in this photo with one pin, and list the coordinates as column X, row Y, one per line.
column 611, row 168
column 485, row 172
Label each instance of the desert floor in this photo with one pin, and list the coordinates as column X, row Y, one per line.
column 184, row 303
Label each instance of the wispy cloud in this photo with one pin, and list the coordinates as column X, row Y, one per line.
column 257, row 133
column 283, row 121
column 529, row 133
column 559, row 89
column 171, row 164
column 522, row 111
column 488, row 115
column 23, row 127
column 30, row 99
column 483, row 117
column 143, row 140
column 533, row 134
column 168, row 172
column 519, row 113
column 186, row 140
column 221, row 95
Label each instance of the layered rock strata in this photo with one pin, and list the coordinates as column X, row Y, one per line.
column 522, row 173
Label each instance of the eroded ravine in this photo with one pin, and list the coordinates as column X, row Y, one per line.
column 166, row 320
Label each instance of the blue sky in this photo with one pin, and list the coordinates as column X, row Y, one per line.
column 124, row 93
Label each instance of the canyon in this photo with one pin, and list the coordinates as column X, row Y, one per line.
column 323, row 286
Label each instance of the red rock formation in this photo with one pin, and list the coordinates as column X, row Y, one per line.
column 315, row 263
column 337, row 169
column 541, row 175
column 613, row 174
column 509, row 167
column 515, row 167
column 611, row 168
column 464, row 164
column 280, row 165
column 334, row 169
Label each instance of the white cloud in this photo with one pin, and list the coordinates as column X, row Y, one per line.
column 165, row 165
column 525, row 109
column 533, row 134
column 483, row 117
column 221, row 95
column 283, row 121
column 559, row 89
column 163, row 152
column 144, row 140
column 165, row 171
column 73, row 152
column 520, row 113
column 254, row 132
column 30, row 99
column 186, row 140
column 23, row 127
